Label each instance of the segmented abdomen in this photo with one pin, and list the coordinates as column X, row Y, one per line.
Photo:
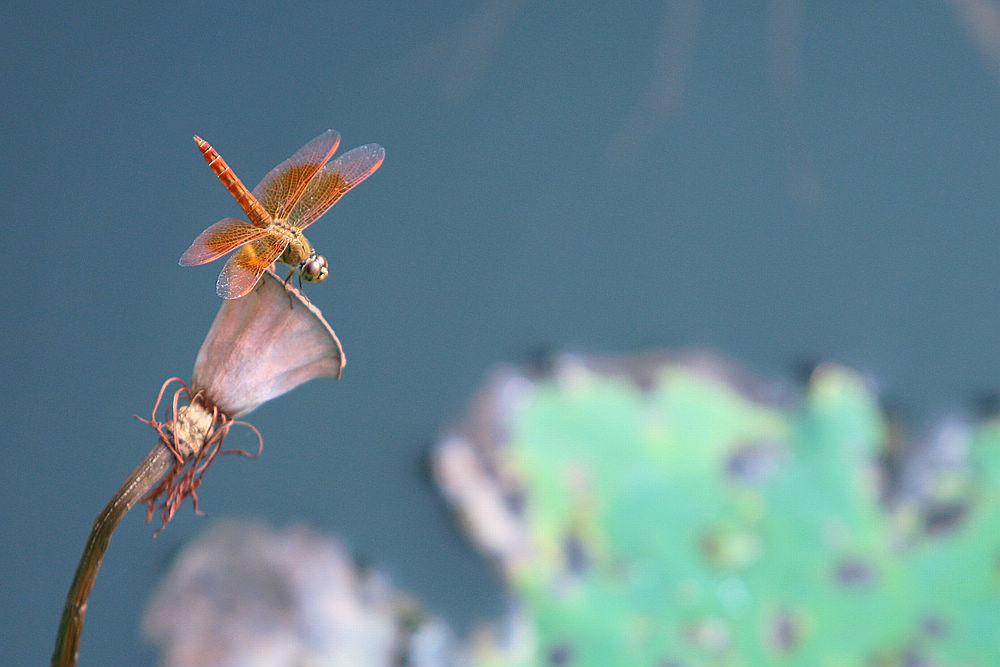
column 244, row 197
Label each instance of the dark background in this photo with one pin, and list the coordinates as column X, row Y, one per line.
column 778, row 181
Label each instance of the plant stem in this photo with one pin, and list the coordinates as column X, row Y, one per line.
column 137, row 485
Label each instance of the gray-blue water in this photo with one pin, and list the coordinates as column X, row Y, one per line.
column 779, row 182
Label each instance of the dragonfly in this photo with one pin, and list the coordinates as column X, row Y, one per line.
column 290, row 197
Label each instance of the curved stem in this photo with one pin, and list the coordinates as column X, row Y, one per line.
column 137, row 485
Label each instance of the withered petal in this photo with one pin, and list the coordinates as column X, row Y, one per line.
column 263, row 345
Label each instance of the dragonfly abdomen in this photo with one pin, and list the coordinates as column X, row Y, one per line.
column 234, row 185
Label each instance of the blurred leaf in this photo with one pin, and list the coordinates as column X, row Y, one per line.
column 668, row 515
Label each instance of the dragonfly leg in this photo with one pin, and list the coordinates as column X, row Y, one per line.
column 291, row 301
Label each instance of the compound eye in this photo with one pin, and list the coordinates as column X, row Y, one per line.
column 314, row 269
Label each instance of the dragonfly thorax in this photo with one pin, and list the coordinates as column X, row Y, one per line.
column 300, row 255
column 297, row 251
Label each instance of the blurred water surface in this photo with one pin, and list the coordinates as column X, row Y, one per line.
column 781, row 182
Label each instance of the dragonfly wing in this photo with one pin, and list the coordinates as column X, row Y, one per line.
column 244, row 269
column 224, row 236
column 283, row 186
column 333, row 181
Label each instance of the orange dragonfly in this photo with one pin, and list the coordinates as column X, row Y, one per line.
column 291, row 197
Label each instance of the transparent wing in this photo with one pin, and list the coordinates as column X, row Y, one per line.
column 224, row 236
column 244, row 269
column 281, row 189
column 333, row 181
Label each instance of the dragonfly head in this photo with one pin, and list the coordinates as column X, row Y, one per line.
column 314, row 268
